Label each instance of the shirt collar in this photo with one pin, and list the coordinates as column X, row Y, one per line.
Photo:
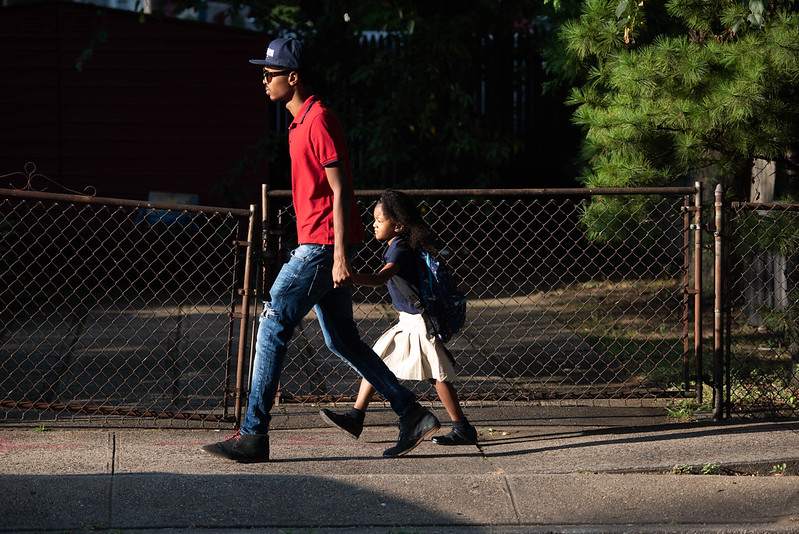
column 306, row 107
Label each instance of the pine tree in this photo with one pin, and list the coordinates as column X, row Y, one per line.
column 686, row 86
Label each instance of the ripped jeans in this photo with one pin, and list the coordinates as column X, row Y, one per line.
column 306, row 282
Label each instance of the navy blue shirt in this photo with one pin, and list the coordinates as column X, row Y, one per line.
column 399, row 252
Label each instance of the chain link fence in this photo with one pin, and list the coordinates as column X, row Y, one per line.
column 572, row 297
column 117, row 308
column 132, row 311
column 762, row 342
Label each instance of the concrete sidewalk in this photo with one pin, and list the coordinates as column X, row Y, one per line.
column 537, row 469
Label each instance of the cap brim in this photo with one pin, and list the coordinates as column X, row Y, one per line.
column 263, row 62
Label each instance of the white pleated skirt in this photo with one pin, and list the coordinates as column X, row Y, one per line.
column 411, row 353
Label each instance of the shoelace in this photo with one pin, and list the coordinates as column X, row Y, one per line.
column 236, row 435
column 402, row 431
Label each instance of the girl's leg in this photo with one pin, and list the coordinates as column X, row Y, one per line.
column 448, row 395
column 462, row 433
column 352, row 422
column 365, row 394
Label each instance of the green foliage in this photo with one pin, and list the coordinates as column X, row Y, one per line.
column 779, row 469
column 707, row 469
column 682, row 469
column 409, row 101
column 710, row 469
column 408, row 104
column 438, row 99
column 613, row 219
column 768, row 231
column 684, row 409
column 698, row 86
column 783, row 323
column 770, row 236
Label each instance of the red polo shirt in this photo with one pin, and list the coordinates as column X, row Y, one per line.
column 316, row 139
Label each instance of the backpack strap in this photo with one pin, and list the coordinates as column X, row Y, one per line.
column 415, row 298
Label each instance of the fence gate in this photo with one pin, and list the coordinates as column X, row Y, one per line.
column 761, row 342
column 574, row 295
column 119, row 308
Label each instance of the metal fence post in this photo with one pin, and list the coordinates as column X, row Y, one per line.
column 718, row 327
column 698, row 291
column 265, row 249
column 270, row 253
column 245, row 316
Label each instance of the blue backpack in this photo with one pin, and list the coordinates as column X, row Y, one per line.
column 444, row 304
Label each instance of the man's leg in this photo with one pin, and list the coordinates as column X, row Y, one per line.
column 293, row 294
column 342, row 337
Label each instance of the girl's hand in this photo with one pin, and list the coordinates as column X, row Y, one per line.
column 375, row 280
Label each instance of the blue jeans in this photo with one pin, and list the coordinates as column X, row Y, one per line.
column 306, row 282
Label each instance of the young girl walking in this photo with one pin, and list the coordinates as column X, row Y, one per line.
column 408, row 349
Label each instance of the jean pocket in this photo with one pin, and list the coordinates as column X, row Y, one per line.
column 307, row 253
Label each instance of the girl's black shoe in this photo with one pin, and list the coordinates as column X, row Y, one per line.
column 466, row 436
column 343, row 422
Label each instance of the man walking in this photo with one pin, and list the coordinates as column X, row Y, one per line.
column 318, row 273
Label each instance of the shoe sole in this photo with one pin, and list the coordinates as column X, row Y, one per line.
column 460, row 444
column 426, row 435
column 253, row 461
column 257, row 460
column 332, row 423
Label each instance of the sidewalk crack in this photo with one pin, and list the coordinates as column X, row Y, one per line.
column 509, row 491
column 112, row 442
column 112, row 439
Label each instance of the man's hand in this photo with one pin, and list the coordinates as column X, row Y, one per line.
column 342, row 272
column 337, row 178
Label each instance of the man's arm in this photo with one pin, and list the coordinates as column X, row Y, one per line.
column 340, row 184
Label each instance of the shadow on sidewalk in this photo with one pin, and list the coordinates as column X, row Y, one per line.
column 165, row 501
column 638, row 434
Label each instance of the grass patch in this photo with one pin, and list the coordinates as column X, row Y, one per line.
column 637, row 326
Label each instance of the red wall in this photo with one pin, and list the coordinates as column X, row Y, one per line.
column 163, row 105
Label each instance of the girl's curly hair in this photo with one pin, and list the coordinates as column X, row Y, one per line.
column 401, row 209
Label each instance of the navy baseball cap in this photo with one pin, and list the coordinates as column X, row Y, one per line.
column 285, row 53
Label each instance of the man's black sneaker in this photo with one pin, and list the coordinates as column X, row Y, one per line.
column 413, row 430
column 466, row 436
column 342, row 422
column 243, row 448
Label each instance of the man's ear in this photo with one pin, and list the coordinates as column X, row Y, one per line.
column 399, row 228
column 294, row 77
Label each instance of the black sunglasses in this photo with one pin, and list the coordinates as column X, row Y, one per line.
column 269, row 75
